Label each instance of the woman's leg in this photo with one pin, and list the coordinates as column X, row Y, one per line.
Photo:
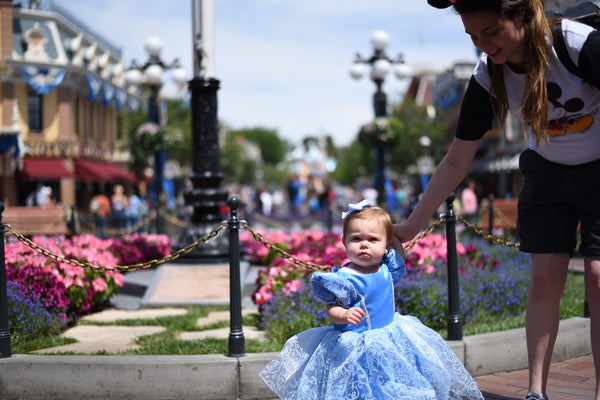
column 592, row 287
column 548, row 276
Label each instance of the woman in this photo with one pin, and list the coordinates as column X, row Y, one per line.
column 520, row 73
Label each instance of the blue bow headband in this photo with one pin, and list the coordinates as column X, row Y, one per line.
column 355, row 207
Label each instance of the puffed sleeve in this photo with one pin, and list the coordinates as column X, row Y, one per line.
column 332, row 288
column 395, row 264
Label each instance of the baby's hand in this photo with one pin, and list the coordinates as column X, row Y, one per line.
column 354, row 315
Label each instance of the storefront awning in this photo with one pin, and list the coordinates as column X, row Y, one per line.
column 88, row 170
column 45, row 168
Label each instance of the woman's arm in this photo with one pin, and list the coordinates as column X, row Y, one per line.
column 340, row 315
column 447, row 176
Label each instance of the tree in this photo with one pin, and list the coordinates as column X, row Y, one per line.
column 272, row 147
column 353, row 162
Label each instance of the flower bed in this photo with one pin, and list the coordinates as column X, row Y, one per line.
column 42, row 290
column 492, row 281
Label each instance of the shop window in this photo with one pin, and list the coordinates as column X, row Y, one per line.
column 35, row 105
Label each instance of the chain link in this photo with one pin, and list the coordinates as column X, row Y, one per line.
column 487, row 236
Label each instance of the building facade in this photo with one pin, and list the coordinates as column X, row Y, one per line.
column 63, row 106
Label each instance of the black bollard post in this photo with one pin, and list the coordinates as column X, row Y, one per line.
column 454, row 319
column 236, row 333
column 5, row 350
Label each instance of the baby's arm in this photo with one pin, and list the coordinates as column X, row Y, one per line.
column 340, row 315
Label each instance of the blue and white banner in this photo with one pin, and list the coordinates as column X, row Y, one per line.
column 95, row 87
column 43, row 80
column 120, row 98
column 108, row 92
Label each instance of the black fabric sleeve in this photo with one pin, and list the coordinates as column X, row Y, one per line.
column 589, row 59
column 476, row 113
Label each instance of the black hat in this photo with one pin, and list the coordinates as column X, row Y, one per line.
column 440, row 3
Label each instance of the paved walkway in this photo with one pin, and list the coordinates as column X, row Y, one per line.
column 569, row 380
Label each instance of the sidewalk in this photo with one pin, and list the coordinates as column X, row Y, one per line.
column 495, row 360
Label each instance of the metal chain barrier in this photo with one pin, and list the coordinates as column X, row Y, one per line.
column 124, row 268
column 256, row 235
column 272, row 247
column 487, row 236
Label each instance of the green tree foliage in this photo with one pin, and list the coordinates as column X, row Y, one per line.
column 417, row 123
column 354, row 161
column 357, row 160
column 236, row 164
column 178, row 120
column 272, row 147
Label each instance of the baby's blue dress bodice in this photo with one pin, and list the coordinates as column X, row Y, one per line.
column 373, row 292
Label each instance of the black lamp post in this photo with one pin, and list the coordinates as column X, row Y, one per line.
column 380, row 64
column 151, row 75
column 207, row 196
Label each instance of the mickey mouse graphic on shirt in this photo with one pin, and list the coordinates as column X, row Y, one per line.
column 567, row 122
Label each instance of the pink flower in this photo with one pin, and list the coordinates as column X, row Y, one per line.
column 99, row 285
column 119, row 279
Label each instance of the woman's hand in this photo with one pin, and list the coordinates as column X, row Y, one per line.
column 402, row 234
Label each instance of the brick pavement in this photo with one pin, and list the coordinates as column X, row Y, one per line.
column 569, row 380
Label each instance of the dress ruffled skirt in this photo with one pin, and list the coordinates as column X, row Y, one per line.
column 404, row 360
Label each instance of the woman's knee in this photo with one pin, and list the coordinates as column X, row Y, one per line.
column 548, row 274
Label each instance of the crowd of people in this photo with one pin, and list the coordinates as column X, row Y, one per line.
column 120, row 211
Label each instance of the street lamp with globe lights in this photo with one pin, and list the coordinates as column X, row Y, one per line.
column 151, row 75
column 380, row 64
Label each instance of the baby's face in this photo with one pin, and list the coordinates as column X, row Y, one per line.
column 366, row 244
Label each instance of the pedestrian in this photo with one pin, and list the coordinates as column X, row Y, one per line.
column 119, row 204
column 469, row 203
column 560, row 165
column 101, row 211
column 371, row 351
column 134, row 211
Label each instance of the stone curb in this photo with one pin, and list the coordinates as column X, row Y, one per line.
column 219, row 377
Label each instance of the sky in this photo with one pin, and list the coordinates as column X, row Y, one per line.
column 284, row 65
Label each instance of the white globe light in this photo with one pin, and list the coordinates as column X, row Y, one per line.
column 133, row 77
column 380, row 69
column 180, row 76
column 357, row 71
column 154, row 75
column 153, row 46
column 380, row 39
column 402, row 71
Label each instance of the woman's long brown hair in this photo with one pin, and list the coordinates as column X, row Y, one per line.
column 534, row 104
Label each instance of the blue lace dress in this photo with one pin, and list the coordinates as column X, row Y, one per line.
column 386, row 356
